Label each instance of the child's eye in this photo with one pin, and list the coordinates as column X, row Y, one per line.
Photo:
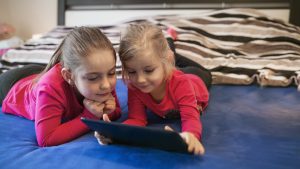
column 149, row 70
column 131, row 72
column 112, row 73
column 91, row 78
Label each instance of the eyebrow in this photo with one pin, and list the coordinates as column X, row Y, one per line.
column 96, row 73
column 153, row 66
column 127, row 67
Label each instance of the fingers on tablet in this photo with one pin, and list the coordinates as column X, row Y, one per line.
column 106, row 118
column 102, row 140
column 168, row 128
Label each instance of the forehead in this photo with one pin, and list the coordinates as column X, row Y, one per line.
column 142, row 61
column 98, row 61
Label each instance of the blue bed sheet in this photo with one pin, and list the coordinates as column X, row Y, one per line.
column 245, row 127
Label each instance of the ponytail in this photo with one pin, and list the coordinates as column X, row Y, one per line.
column 55, row 58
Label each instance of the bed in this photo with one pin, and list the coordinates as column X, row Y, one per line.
column 252, row 120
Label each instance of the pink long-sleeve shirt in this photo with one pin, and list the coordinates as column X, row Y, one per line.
column 53, row 105
column 184, row 92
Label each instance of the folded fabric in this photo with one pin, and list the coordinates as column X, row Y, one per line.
column 11, row 42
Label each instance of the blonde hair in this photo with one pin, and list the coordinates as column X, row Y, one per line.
column 142, row 39
column 79, row 43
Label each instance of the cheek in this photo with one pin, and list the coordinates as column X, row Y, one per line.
column 84, row 88
column 113, row 83
column 158, row 78
column 157, row 81
column 132, row 79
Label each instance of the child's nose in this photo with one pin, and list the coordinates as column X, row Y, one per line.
column 105, row 84
column 141, row 78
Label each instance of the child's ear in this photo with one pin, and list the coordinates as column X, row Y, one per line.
column 67, row 75
column 171, row 56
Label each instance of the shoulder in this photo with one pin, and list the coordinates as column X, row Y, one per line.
column 181, row 83
column 52, row 80
column 178, row 78
column 52, row 76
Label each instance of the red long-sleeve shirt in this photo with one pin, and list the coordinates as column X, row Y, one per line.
column 53, row 104
column 183, row 92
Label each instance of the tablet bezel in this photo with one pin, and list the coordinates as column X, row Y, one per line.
column 138, row 136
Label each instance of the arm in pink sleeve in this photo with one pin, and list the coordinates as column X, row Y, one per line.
column 136, row 110
column 50, row 130
column 186, row 100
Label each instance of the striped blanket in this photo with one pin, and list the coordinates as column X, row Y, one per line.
column 239, row 46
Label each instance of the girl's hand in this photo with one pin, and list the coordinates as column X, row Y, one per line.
column 109, row 105
column 102, row 140
column 94, row 107
column 194, row 145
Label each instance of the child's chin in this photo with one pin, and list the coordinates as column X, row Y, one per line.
column 146, row 91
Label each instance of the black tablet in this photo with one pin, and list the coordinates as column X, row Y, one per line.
column 139, row 136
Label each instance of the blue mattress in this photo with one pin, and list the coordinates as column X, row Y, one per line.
column 244, row 127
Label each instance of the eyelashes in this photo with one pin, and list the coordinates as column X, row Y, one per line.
column 147, row 71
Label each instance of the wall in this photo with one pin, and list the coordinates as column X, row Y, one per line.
column 4, row 14
column 29, row 16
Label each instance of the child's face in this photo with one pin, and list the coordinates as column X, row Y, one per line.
column 95, row 78
column 145, row 73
